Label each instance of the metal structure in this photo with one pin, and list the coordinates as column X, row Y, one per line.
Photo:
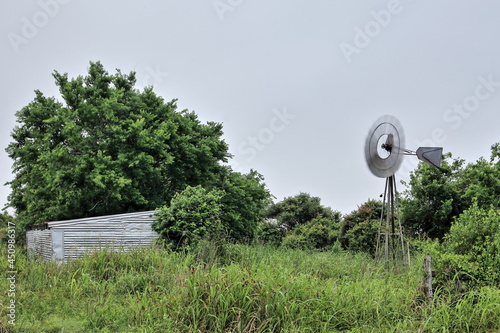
column 67, row 240
column 384, row 152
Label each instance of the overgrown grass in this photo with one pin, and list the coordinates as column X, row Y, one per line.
column 240, row 289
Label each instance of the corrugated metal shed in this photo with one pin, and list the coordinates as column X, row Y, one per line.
column 64, row 240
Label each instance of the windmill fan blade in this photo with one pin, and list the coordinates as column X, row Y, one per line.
column 430, row 155
column 387, row 131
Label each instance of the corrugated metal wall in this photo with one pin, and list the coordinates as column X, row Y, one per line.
column 39, row 244
column 117, row 232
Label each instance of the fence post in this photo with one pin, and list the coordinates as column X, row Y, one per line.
column 428, row 277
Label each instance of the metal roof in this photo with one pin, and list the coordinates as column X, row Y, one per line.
column 146, row 216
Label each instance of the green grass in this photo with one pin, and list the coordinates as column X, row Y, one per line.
column 246, row 289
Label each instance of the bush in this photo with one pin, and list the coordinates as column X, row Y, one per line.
column 469, row 253
column 193, row 214
column 298, row 210
column 359, row 228
column 269, row 232
column 363, row 237
column 319, row 233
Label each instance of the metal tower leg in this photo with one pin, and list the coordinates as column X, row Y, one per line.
column 390, row 230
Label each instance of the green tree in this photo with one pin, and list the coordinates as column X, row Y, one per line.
column 245, row 197
column 300, row 221
column 359, row 229
column 433, row 198
column 297, row 210
column 481, row 181
column 192, row 215
column 107, row 148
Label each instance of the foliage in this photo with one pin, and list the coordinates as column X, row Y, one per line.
column 240, row 199
column 107, row 148
column 359, row 228
column 192, row 215
column 5, row 218
column 297, row 210
column 245, row 196
column 469, row 253
column 319, row 233
column 300, row 222
column 256, row 289
column 481, row 183
column 268, row 232
column 433, row 198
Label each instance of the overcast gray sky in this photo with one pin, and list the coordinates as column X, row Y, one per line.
column 297, row 84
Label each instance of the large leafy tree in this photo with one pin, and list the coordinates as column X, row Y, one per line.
column 435, row 197
column 245, row 197
column 481, row 181
column 107, row 148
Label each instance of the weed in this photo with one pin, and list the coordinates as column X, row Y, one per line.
column 238, row 288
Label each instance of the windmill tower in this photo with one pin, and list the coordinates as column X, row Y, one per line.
column 384, row 152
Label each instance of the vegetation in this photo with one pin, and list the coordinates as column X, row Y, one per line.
column 297, row 210
column 109, row 148
column 249, row 289
column 435, row 197
column 193, row 214
column 4, row 222
column 359, row 228
column 245, row 197
column 318, row 233
column 229, row 211
column 453, row 214
column 468, row 255
column 300, row 222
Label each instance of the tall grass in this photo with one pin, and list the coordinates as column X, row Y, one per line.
column 240, row 289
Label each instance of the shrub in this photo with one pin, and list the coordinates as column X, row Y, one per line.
column 298, row 210
column 359, row 228
column 193, row 214
column 363, row 237
column 469, row 253
column 269, row 232
column 319, row 233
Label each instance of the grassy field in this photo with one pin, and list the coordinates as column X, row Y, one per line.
column 246, row 289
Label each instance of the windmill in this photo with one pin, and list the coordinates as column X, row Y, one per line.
column 384, row 152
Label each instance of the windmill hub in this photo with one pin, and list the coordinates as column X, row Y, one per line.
column 384, row 147
column 387, row 147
